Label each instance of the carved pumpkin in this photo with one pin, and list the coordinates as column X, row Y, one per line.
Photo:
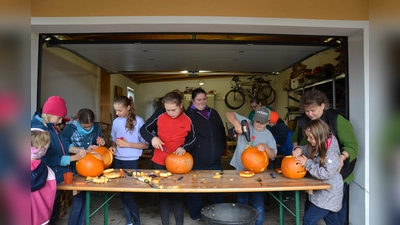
column 90, row 165
column 106, row 155
column 290, row 169
column 179, row 164
column 255, row 160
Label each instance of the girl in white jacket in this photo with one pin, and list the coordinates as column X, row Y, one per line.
column 321, row 159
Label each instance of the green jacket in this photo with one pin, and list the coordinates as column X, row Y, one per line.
column 346, row 137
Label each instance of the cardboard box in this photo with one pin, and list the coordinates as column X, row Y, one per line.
column 296, row 83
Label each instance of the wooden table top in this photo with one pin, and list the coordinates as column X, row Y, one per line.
column 203, row 181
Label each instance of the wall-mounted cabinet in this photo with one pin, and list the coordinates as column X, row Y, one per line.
column 334, row 88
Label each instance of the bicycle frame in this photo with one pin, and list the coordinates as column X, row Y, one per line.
column 258, row 87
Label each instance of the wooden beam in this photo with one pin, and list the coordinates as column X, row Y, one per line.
column 105, row 101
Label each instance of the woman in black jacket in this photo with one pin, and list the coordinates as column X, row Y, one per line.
column 210, row 146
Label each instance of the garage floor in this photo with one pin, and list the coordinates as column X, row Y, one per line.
column 149, row 212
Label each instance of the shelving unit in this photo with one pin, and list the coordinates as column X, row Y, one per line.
column 324, row 87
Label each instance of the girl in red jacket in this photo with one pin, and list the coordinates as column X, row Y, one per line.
column 170, row 132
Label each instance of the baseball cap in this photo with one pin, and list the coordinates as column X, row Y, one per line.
column 262, row 114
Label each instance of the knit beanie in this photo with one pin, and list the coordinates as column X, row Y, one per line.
column 274, row 117
column 55, row 106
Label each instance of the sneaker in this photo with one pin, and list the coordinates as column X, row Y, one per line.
column 200, row 219
column 287, row 198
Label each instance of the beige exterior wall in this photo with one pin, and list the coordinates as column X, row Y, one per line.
column 322, row 9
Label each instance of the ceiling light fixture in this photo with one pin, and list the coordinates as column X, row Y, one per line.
column 328, row 40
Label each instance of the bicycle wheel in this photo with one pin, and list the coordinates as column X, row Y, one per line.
column 234, row 99
column 267, row 95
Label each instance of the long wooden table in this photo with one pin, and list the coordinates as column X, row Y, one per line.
column 203, row 181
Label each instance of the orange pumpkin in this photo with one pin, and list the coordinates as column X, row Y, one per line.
column 290, row 169
column 106, row 155
column 255, row 160
column 179, row 164
column 90, row 165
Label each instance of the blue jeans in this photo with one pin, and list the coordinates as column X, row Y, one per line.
column 257, row 201
column 131, row 210
column 78, row 209
column 195, row 201
column 342, row 214
column 313, row 214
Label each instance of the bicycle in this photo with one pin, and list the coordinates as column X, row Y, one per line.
column 258, row 87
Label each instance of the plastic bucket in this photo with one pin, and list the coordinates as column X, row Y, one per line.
column 229, row 214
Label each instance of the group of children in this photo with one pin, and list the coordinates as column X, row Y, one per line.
column 169, row 130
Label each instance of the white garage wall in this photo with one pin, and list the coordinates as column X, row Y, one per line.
column 72, row 78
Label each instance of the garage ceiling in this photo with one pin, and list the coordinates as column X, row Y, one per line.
column 155, row 57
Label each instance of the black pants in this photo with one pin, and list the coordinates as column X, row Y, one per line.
column 177, row 200
column 55, row 215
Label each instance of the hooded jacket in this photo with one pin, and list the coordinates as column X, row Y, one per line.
column 210, row 137
column 330, row 199
column 43, row 192
column 57, row 155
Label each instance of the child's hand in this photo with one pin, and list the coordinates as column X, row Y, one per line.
column 81, row 154
column 301, row 160
column 296, row 152
column 91, row 148
column 100, row 141
column 157, row 143
column 113, row 150
column 121, row 142
column 261, row 147
column 180, row 151
column 238, row 128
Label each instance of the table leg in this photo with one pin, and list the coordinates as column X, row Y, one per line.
column 106, row 208
column 88, row 207
column 281, row 212
column 297, row 199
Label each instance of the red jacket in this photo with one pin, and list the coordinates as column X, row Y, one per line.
column 174, row 132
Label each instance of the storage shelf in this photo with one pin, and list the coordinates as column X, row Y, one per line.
column 296, row 112
column 301, row 90
column 338, row 77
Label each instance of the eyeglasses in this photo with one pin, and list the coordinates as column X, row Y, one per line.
column 253, row 106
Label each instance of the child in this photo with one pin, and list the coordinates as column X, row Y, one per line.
column 81, row 133
column 127, row 147
column 43, row 179
column 281, row 133
column 321, row 159
column 58, row 156
column 174, row 135
column 263, row 140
